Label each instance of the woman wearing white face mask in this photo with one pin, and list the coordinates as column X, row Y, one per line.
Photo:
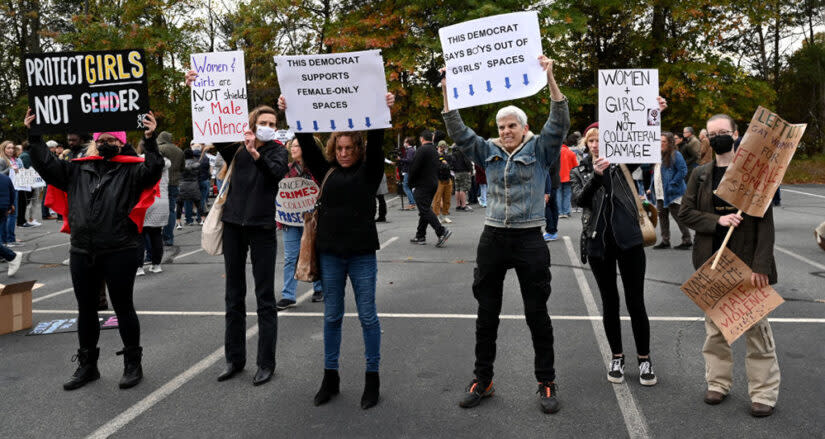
column 249, row 226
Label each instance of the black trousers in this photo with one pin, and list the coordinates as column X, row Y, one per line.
column 22, row 203
column 524, row 250
column 426, row 217
column 117, row 270
column 631, row 264
column 261, row 244
column 155, row 240
column 382, row 206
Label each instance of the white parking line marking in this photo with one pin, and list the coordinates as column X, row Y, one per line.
column 45, row 248
column 388, row 242
column 800, row 257
column 802, row 193
column 633, row 418
column 187, row 254
column 49, row 296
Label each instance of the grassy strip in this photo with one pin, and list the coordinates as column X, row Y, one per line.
column 807, row 170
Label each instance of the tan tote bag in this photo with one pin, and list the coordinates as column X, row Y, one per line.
column 307, row 268
column 212, row 231
column 648, row 215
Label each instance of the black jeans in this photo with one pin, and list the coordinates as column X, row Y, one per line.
column 631, row 264
column 424, row 201
column 261, row 244
column 525, row 250
column 156, row 244
column 382, row 206
column 22, row 203
column 88, row 274
column 551, row 214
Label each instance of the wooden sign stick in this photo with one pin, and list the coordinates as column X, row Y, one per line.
column 724, row 244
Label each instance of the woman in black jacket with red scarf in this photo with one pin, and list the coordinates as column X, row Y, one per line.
column 103, row 198
column 347, row 241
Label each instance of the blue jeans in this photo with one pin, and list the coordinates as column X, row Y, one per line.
column 482, row 195
column 563, row 194
column 292, row 247
column 362, row 271
column 5, row 252
column 204, row 187
column 11, row 223
column 168, row 230
column 406, row 186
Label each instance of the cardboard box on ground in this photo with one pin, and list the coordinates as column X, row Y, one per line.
column 16, row 306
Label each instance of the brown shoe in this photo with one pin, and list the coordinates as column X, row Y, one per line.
column 713, row 397
column 759, row 410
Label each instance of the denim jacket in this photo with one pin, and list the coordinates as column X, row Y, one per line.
column 515, row 182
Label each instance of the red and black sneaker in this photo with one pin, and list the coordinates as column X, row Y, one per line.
column 476, row 391
column 547, row 396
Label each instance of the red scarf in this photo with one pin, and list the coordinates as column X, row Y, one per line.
column 58, row 200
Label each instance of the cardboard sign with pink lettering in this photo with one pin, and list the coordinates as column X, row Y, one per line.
column 727, row 296
column 760, row 162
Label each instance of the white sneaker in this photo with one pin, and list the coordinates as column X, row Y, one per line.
column 448, row 220
column 140, row 272
column 615, row 373
column 646, row 375
column 179, row 227
column 35, row 223
column 14, row 264
column 67, row 261
column 200, row 223
column 156, row 269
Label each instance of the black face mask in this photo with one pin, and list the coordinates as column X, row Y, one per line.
column 108, row 151
column 721, row 144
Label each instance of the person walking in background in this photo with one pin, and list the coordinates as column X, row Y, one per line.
column 292, row 235
column 463, row 168
column 551, row 207
column 481, row 179
column 517, row 164
column 190, row 193
column 567, row 161
column 667, row 189
column 753, row 242
column 204, row 177
column 347, row 240
column 175, row 156
column 705, row 151
column 405, row 159
column 157, row 216
column 424, row 179
column 690, row 149
column 444, row 193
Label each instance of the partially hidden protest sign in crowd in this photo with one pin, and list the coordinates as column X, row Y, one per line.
column 334, row 92
column 727, row 296
column 296, row 196
column 219, row 102
column 492, row 59
column 87, row 90
column 629, row 117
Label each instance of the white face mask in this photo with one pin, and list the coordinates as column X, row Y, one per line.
column 265, row 133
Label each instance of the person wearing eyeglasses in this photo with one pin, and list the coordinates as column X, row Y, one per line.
column 752, row 241
column 103, row 198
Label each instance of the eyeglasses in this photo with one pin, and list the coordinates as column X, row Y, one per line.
column 720, row 133
column 106, row 142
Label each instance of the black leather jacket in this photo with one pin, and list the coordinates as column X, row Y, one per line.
column 101, row 195
column 608, row 208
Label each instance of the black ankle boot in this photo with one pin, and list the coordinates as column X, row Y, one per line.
column 132, row 370
column 86, row 370
column 330, row 387
column 371, row 385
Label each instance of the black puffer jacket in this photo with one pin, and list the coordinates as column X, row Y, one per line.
column 101, row 195
column 609, row 208
column 254, row 183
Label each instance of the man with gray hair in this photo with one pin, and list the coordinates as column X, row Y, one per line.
column 690, row 149
column 516, row 164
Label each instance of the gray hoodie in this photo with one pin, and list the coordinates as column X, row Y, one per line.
column 174, row 154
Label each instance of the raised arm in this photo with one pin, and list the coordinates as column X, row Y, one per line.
column 374, row 162
column 53, row 171
column 151, row 169
column 555, row 129
column 312, row 156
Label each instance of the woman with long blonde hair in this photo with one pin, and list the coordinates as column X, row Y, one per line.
column 8, row 166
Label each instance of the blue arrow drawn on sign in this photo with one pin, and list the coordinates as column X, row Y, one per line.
column 368, row 123
column 350, row 123
column 489, row 87
column 332, row 124
column 315, row 125
column 298, row 123
column 471, row 90
column 455, row 92
column 507, row 82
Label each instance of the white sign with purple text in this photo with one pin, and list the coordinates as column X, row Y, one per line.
column 219, row 101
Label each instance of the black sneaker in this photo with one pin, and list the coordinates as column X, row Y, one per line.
column 661, row 245
column 419, row 241
column 615, row 373
column 684, row 246
column 646, row 375
column 476, row 391
column 318, row 296
column 442, row 240
column 284, row 304
column 547, row 396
